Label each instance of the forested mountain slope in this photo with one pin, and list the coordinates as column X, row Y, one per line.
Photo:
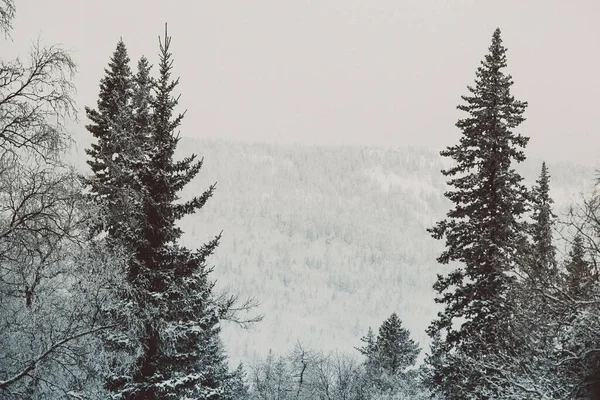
column 330, row 240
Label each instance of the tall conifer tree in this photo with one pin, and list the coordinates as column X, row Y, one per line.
column 179, row 352
column 543, row 267
column 484, row 231
column 182, row 354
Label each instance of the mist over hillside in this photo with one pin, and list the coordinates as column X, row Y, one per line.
column 330, row 240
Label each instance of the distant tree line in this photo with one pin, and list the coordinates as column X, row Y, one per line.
column 387, row 371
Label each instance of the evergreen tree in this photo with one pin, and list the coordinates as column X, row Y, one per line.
column 387, row 357
column 543, row 266
column 142, row 101
column 111, row 187
column 179, row 352
column 579, row 276
column 485, row 231
column 237, row 387
column 430, row 377
column 576, row 355
column 396, row 350
column 182, row 352
column 369, row 350
column 111, row 123
column 534, row 317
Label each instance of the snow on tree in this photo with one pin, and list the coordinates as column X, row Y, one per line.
column 485, row 231
column 111, row 126
column 175, row 338
column 396, row 351
column 369, row 350
column 388, row 356
column 554, row 324
column 543, row 266
column 48, row 299
column 237, row 385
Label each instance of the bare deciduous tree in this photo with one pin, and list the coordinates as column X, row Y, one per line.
column 49, row 298
column 35, row 100
column 7, row 13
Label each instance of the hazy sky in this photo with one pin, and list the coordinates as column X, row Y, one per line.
column 375, row 72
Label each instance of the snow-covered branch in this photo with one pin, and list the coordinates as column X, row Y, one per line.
column 51, row 349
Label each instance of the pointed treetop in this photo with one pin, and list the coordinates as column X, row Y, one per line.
column 164, row 47
column 496, row 36
column 544, row 252
column 118, row 71
column 370, row 346
column 120, row 53
column 577, row 252
column 496, row 39
column 543, row 185
column 497, row 52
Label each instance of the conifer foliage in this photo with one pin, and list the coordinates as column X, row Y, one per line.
column 136, row 182
column 484, row 231
column 579, row 276
column 395, row 348
column 389, row 355
column 543, row 266
column 110, row 126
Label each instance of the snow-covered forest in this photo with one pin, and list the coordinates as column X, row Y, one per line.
column 325, row 260
column 136, row 263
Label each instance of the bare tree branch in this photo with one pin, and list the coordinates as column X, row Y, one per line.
column 33, row 363
column 7, row 13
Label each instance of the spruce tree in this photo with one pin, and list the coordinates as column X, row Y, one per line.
column 484, row 231
column 112, row 187
column 579, row 276
column 111, row 127
column 430, row 374
column 577, row 354
column 543, row 268
column 142, row 100
column 369, row 350
column 388, row 356
column 182, row 353
column 176, row 333
column 237, row 386
column 396, row 350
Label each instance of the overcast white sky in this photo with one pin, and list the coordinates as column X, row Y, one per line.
column 374, row 72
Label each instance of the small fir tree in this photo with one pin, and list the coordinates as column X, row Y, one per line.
column 369, row 350
column 388, row 356
column 396, row 350
column 579, row 276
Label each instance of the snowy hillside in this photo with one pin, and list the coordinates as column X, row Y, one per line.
column 329, row 240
